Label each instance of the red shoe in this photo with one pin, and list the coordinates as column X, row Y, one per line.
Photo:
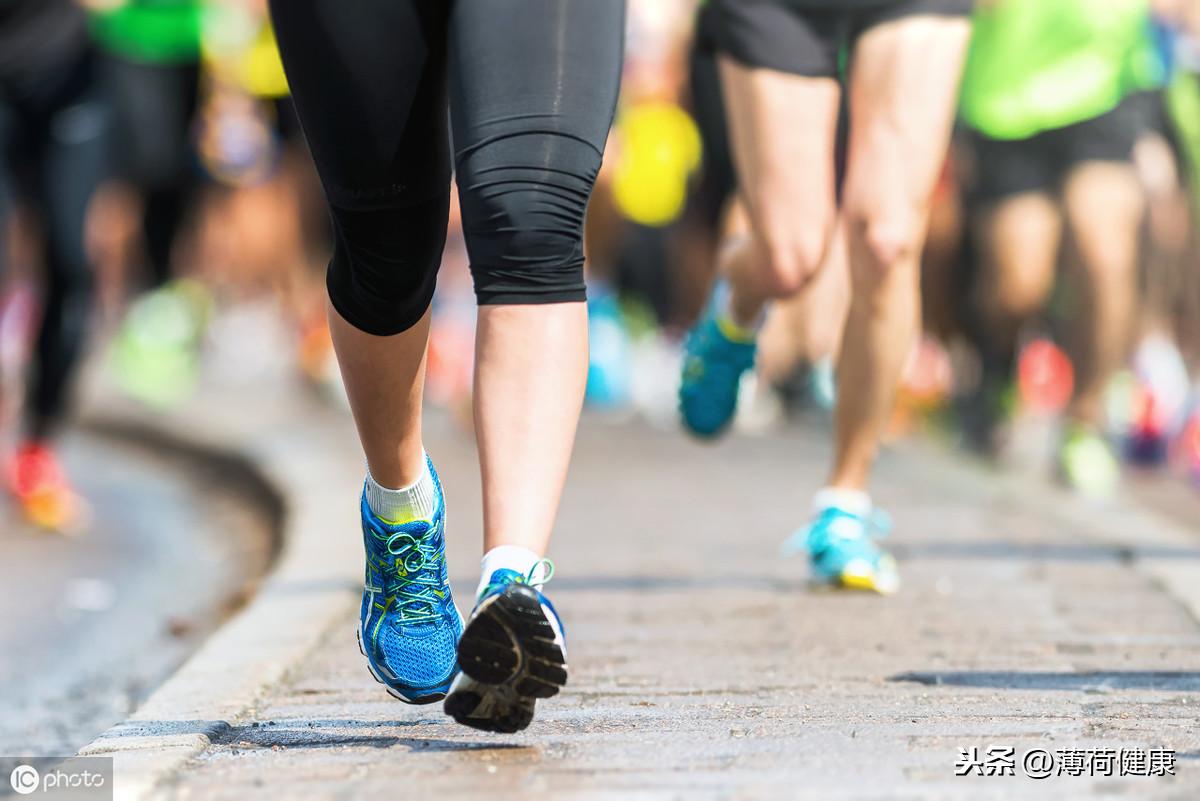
column 39, row 485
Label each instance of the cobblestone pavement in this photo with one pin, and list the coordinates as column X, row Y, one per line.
column 705, row 666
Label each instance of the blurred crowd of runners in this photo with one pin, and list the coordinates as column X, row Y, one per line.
column 158, row 209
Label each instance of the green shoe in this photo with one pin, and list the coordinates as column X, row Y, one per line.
column 1086, row 463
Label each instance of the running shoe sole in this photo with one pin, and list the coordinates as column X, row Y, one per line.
column 510, row 654
column 862, row 577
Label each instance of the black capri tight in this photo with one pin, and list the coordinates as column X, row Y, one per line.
column 531, row 87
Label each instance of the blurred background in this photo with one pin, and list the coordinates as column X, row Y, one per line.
column 163, row 233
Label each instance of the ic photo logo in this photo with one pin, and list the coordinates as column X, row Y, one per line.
column 24, row 779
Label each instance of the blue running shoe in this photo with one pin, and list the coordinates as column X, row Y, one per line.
column 512, row 653
column 842, row 550
column 713, row 363
column 409, row 626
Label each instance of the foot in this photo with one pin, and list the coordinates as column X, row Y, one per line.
column 843, row 553
column 715, row 357
column 39, row 485
column 512, row 653
column 409, row 625
column 156, row 353
column 1086, row 463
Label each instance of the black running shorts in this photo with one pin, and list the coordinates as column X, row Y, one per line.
column 808, row 37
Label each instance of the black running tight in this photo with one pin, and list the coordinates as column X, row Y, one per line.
column 531, row 87
column 53, row 155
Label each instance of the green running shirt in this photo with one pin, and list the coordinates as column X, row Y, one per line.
column 154, row 31
column 1037, row 65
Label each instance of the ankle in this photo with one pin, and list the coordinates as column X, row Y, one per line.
column 506, row 557
column 415, row 501
column 737, row 322
column 854, row 500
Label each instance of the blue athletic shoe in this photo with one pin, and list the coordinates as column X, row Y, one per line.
column 409, row 626
column 842, row 550
column 713, row 364
column 512, row 653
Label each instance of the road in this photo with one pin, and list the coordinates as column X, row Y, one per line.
column 705, row 666
column 91, row 623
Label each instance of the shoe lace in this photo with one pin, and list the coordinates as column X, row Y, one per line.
column 413, row 579
column 532, row 578
column 818, row 534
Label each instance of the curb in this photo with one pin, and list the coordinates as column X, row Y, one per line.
column 315, row 582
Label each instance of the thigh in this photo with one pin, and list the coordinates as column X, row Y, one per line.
column 1019, row 236
column 74, row 164
column 368, row 80
column 533, row 89
column 534, row 81
column 904, row 78
column 783, row 128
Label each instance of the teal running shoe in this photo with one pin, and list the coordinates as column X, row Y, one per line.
column 409, row 626
column 842, row 550
column 715, row 357
column 512, row 653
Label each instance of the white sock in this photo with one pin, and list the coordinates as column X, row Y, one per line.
column 417, row 501
column 513, row 557
column 856, row 502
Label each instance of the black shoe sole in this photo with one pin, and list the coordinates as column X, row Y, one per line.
column 509, row 651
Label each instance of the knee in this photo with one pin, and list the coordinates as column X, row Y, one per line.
column 524, row 233
column 1021, row 293
column 790, row 261
column 384, row 266
column 885, row 241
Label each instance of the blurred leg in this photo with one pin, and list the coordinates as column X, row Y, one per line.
column 904, row 82
column 73, row 164
column 782, row 127
column 807, row 327
column 1104, row 207
column 1019, row 243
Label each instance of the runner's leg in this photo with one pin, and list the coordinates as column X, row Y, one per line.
column 783, row 128
column 1104, row 206
column 903, row 88
column 533, row 89
column 1018, row 239
column 778, row 66
column 373, row 109
column 72, row 167
column 369, row 84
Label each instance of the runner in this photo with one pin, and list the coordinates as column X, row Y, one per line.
column 151, row 68
column 532, row 86
column 53, row 140
column 1053, row 135
column 780, row 65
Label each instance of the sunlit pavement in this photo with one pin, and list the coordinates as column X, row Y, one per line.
column 705, row 666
